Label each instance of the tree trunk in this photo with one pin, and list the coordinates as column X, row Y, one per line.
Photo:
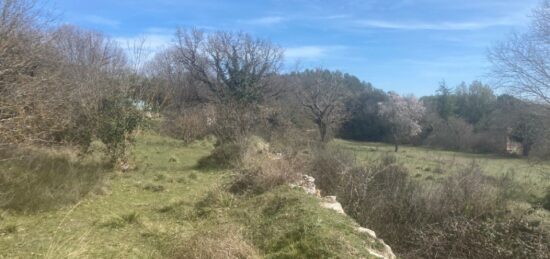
column 322, row 131
column 395, row 143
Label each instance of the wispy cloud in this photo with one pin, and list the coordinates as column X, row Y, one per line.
column 99, row 20
column 306, row 52
column 267, row 20
column 414, row 25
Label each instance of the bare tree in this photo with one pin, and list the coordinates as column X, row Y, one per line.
column 26, row 73
column 403, row 114
column 234, row 66
column 522, row 63
column 240, row 73
column 321, row 93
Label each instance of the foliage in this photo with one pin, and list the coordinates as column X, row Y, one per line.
column 363, row 122
column 117, row 119
column 445, row 103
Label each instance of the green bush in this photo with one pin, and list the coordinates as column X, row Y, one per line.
column 117, row 118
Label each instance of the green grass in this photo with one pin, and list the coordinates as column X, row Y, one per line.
column 166, row 208
column 424, row 162
column 125, row 222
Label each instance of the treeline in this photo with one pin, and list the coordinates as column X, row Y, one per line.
column 472, row 118
column 64, row 85
column 468, row 117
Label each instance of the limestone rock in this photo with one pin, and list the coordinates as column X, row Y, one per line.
column 330, row 202
column 307, row 183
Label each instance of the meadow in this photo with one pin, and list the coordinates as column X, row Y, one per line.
column 167, row 208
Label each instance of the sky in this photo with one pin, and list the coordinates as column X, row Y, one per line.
column 407, row 46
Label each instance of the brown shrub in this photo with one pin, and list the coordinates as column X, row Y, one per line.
column 264, row 175
column 454, row 133
column 328, row 166
column 190, row 124
column 461, row 216
column 461, row 237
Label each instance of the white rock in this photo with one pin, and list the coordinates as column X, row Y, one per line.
column 368, row 231
column 330, row 202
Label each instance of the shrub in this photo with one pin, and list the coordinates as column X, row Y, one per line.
column 228, row 155
column 468, row 192
column 454, row 133
column 264, row 175
column 116, row 120
column 461, row 237
column 379, row 195
column 189, row 125
column 235, row 122
column 460, row 216
column 328, row 166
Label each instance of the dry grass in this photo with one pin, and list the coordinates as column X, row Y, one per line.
column 213, row 242
column 41, row 179
column 264, row 175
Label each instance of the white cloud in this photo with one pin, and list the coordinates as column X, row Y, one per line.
column 306, row 52
column 401, row 25
column 152, row 42
column 267, row 20
column 99, row 20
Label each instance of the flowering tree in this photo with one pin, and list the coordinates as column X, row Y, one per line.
column 403, row 115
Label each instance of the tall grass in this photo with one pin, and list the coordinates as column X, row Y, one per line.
column 42, row 179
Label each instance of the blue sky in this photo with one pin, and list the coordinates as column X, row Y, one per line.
column 406, row 46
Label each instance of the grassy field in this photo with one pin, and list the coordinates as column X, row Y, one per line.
column 429, row 163
column 167, row 208
column 531, row 178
